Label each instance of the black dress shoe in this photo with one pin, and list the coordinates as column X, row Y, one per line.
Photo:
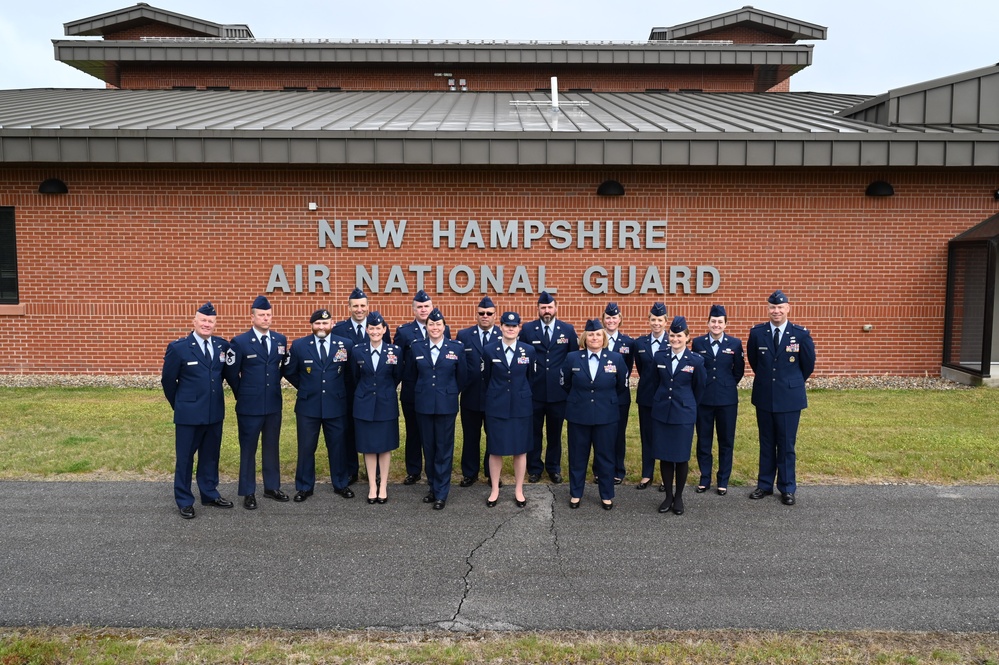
column 677, row 506
column 556, row 477
column 759, row 493
column 346, row 492
column 372, row 500
column 250, row 502
column 643, row 484
column 429, row 498
column 187, row 512
column 277, row 495
column 439, row 504
column 467, row 481
column 722, row 491
column 701, row 489
column 662, row 487
column 491, row 504
column 382, row 499
column 219, row 503
column 787, row 498
column 520, row 504
column 302, row 496
column 665, row 506
column 607, row 505
column 618, row 481
column 575, row 504
column 534, row 478
column 411, row 479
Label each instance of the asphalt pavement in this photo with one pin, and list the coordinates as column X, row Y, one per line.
column 910, row 558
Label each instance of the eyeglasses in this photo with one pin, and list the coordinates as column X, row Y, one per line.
column 487, row 313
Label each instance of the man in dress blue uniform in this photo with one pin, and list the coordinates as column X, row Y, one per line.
column 719, row 406
column 618, row 342
column 782, row 356
column 552, row 340
column 473, row 395
column 318, row 367
column 405, row 335
column 353, row 328
column 256, row 384
column 436, row 368
column 644, row 350
column 193, row 368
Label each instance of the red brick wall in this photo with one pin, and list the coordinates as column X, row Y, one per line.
column 746, row 35
column 114, row 270
column 421, row 77
column 152, row 29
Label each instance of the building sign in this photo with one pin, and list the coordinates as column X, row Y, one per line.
column 561, row 235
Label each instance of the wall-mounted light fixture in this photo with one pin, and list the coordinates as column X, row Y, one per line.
column 313, row 206
column 995, row 195
column 880, row 188
column 610, row 188
column 53, row 186
column 867, row 327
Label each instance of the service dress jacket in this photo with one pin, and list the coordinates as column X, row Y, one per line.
column 594, row 401
column 375, row 397
column 324, row 390
column 436, row 387
column 256, row 380
column 192, row 384
column 724, row 369
column 547, row 381
column 780, row 374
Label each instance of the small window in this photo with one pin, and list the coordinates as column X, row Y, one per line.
column 8, row 258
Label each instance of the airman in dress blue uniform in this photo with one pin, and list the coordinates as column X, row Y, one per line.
column 618, row 342
column 475, row 339
column 719, row 407
column 436, row 368
column 644, row 350
column 193, row 369
column 552, row 340
column 318, row 367
column 508, row 365
column 595, row 381
column 782, row 356
column 256, row 383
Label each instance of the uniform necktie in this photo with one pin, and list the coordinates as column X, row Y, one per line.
column 676, row 361
column 360, row 333
column 509, row 355
column 208, row 350
column 423, row 332
column 715, row 344
column 594, row 362
column 374, row 358
column 776, row 339
column 485, row 338
column 322, row 350
column 548, row 335
column 655, row 345
column 267, row 345
column 435, row 351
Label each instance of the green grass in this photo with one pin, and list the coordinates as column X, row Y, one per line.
column 849, row 436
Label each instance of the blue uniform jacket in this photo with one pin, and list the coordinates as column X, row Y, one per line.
column 594, row 401
column 436, row 387
column 256, row 377
column 375, row 397
column 508, row 387
column 678, row 394
column 626, row 347
column 641, row 350
column 546, row 383
column 405, row 336
column 474, row 392
column 779, row 384
column 323, row 390
column 192, row 384
column 346, row 329
column 725, row 369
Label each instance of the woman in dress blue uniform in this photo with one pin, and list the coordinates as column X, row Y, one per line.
column 508, row 366
column 377, row 369
column 681, row 379
column 596, row 380
column 644, row 350
column 619, row 343
column 436, row 368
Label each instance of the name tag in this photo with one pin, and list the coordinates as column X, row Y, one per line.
column 536, row 341
column 418, row 358
column 253, row 356
column 192, row 362
column 661, row 366
column 497, row 360
column 575, row 369
column 307, row 362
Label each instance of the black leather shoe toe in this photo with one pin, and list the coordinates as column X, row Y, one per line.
column 701, row 489
column 467, row 481
column 556, row 477
column 187, row 512
column 429, row 498
column 534, row 478
column 759, row 493
column 250, row 502
column 439, row 504
column 787, row 499
column 411, row 479
column 302, row 496
column 643, row 484
column 218, row 503
column 346, row 492
column 277, row 495
column 665, row 506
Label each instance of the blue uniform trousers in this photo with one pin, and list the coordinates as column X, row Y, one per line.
column 708, row 418
column 601, row 439
column 548, row 418
column 414, row 445
column 472, row 424
column 646, row 423
column 206, row 441
column 778, row 432
column 437, row 433
column 268, row 430
column 334, row 431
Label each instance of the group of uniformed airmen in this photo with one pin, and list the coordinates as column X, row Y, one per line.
column 518, row 383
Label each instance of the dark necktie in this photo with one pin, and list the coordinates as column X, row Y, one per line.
column 776, row 339
column 423, row 332
column 322, row 350
column 208, row 350
column 267, row 345
column 360, row 333
column 374, row 358
column 485, row 339
column 655, row 345
column 715, row 342
column 435, row 352
column 676, row 361
column 509, row 355
column 548, row 336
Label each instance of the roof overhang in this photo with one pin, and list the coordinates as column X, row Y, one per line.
column 788, row 28
column 140, row 14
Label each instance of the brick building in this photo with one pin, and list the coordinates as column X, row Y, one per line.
column 680, row 168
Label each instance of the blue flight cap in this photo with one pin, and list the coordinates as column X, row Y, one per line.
column 357, row 294
column 545, row 298
column 658, row 309
column 375, row 319
column 510, row 319
column 717, row 310
column 260, row 303
column 421, row 296
column 320, row 315
column 435, row 315
column 679, row 324
column 208, row 309
column 487, row 302
column 777, row 298
column 612, row 309
column 593, row 324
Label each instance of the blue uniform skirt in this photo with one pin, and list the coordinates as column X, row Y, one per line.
column 509, row 436
column 672, row 443
column 376, row 436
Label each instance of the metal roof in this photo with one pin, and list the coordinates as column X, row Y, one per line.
column 762, row 20
column 142, row 13
column 621, row 129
